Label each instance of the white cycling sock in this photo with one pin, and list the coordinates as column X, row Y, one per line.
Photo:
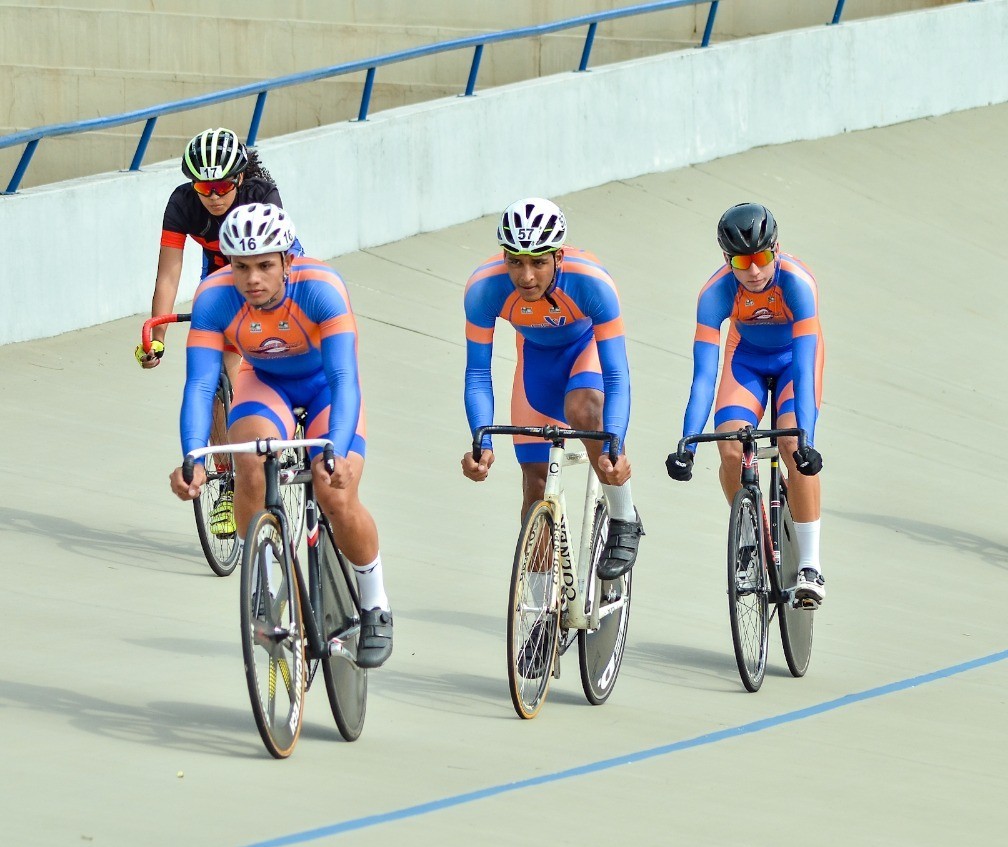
column 371, row 585
column 808, row 544
column 620, row 501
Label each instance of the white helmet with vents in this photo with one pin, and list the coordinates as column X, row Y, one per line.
column 532, row 227
column 256, row 229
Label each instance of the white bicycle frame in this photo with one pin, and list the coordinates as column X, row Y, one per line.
column 575, row 570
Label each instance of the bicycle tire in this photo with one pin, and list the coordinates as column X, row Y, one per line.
column 345, row 681
column 272, row 637
column 796, row 625
column 294, row 495
column 748, row 610
column 532, row 621
column 221, row 551
column 600, row 651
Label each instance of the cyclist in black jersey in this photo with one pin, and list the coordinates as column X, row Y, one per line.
column 222, row 173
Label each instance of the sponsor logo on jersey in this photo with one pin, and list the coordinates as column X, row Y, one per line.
column 762, row 315
column 284, row 326
column 556, row 321
column 526, row 310
column 255, row 326
column 272, row 347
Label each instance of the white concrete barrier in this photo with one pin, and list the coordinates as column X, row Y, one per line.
column 83, row 252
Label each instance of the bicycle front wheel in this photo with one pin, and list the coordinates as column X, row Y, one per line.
column 533, row 612
column 795, row 624
column 272, row 637
column 294, row 495
column 214, row 508
column 748, row 606
column 600, row 651
column 346, row 683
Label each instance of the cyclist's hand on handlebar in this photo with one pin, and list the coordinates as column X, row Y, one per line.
column 477, row 471
column 188, row 490
column 152, row 359
column 610, row 474
column 680, row 465
column 808, row 460
column 342, row 474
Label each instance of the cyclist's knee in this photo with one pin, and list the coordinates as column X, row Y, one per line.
column 583, row 408
column 340, row 504
column 248, row 468
column 533, row 481
column 731, row 454
column 786, row 447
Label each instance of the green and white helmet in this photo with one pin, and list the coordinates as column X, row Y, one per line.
column 256, row 229
column 214, row 154
column 532, row 227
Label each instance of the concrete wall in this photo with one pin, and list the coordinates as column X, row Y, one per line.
column 84, row 252
column 72, row 60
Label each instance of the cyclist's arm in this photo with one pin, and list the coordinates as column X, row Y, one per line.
column 211, row 313
column 478, row 395
column 203, row 365
column 800, row 296
column 166, row 284
column 594, row 292
column 339, row 361
column 714, row 306
column 615, row 377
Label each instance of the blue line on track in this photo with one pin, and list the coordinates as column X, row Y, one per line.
column 627, row 759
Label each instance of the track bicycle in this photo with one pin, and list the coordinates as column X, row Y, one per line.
column 763, row 558
column 221, row 547
column 291, row 625
column 555, row 596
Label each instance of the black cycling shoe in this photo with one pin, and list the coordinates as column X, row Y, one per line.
column 621, row 547
column 532, row 659
column 374, row 645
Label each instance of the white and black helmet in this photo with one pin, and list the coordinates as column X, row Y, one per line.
column 214, row 154
column 256, row 229
column 531, row 227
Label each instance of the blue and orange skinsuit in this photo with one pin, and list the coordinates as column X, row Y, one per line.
column 575, row 341
column 301, row 352
column 773, row 333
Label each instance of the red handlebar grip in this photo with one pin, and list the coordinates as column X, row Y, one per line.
column 150, row 323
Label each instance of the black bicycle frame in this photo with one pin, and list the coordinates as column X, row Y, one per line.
column 310, row 594
column 748, row 437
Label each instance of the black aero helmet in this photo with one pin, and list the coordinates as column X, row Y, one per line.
column 214, row 154
column 745, row 229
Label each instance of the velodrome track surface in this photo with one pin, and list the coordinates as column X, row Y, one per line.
column 122, row 664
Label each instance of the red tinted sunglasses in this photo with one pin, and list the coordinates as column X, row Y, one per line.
column 220, row 187
column 761, row 260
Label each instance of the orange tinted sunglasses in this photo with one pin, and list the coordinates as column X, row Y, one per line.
column 761, row 260
column 220, row 187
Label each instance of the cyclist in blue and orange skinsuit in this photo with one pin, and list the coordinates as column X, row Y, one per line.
column 772, row 302
column 290, row 318
column 572, row 362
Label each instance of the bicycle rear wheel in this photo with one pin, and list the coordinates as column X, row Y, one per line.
column 533, row 612
column 272, row 637
column 220, row 542
column 795, row 624
column 748, row 606
column 346, row 683
column 600, row 651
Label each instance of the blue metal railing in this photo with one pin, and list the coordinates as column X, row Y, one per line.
column 31, row 138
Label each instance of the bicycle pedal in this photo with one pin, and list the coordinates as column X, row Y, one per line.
column 805, row 603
